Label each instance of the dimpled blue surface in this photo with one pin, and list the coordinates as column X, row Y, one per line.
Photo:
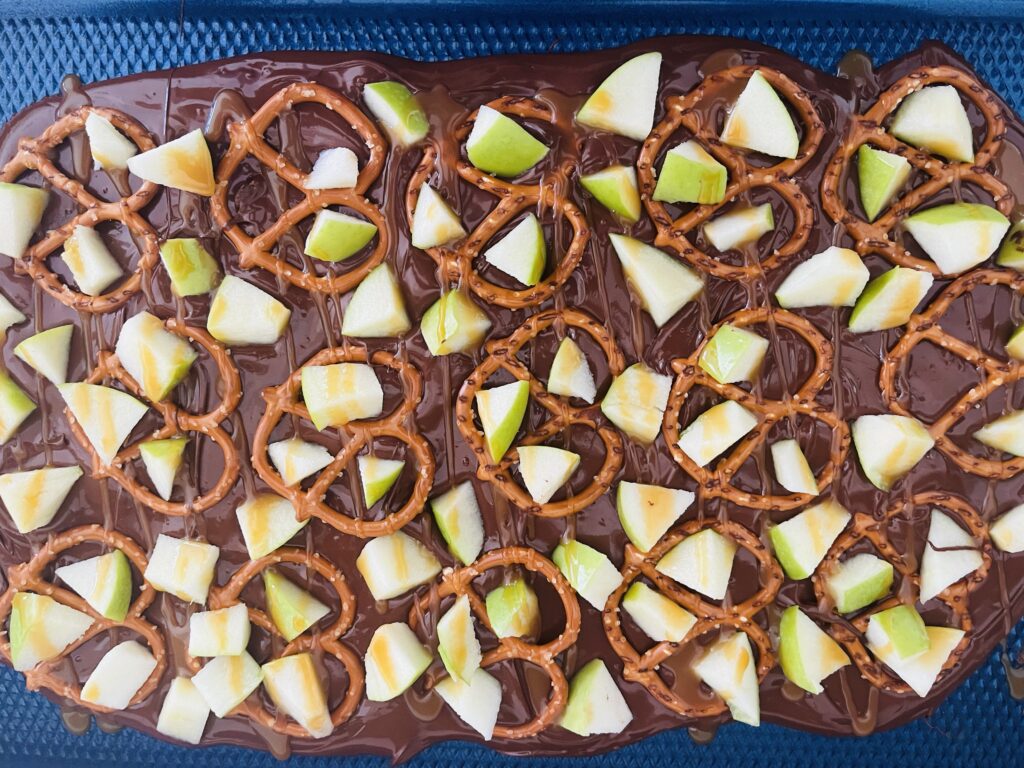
column 39, row 42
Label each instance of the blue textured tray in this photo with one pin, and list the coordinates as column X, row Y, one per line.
column 40, row 41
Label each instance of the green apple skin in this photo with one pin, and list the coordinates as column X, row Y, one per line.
column 595, row 704
column 513, row 610
column 457, row 643
column 501, row 410
column 958, row 236
column 733, row 354
column 41, row 628
column 337, row 236
column 398, row 110
column 904, row 629
column 109, row 577
column 691, row 175
column 454, row 323
column 880, row 176
column 193, row 271
column 15, row 407
column 501, row 146
column 889, row 300
column 457, row 514
column 588, row 570
column 1011, row 254
column 378, row 475
column 292, row 609
column 616, row 189
column 806, row 652
column 646, row 512
column 859, row 582
column 47, row 352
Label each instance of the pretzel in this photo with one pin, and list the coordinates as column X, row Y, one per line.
column 459, row 581
column 247, row 138
column 176, row 420
column 871, row 528
column 327, row 640
column 284, row 399
column 685, row 112
column 717, row 481
column 874, row 237
column 643, row 667
column 455, row 263
column 36, row 154
column 501, row 355
column 28, row 577
column 996, row 373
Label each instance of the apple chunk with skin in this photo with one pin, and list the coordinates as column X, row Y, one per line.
column 588, row 570
column 48, row 352
column 833, row 278
column 337, row 236
column 9, row 314
column 499, row 145
column 224, row 632
column 545, row 469
column 226, row 681
column 702, row 562
column 958, row 236
column 392, row 565
column 398, row 110
column 92, row 265
column 242, row 314
column 110, row 149
column 122, row 671
column 740, row 227
column 182, row 567
column 21, row 210
column 934, row 119
column 156, row 358
column 616, row 189
column 41, row 629
column 880, row 175
column 624, row 103
column 858, row 582
column 34, row 497
column 921, row 672
column 522, row 253
column 898, row 632
column 267, row 522
column 646, row 512
column 595, row 705
column 729, row 669
column 104, row 582
column 733, row 354
column 184, row 712
column 106, row 415
column 791, row 468
column 513, row 610
column 711, row 433
column 292, row 608
column 378, row 476
column 760, row 121
column 395, row 659
column 1015, row 344
column 570, row 374
column 457, row 642
column 193, row 271
column 454, row 323
column 1007, row 532
column 1011, row 254
column 458, row 517
column 890, row 299
column 806, row 652
column 335, row 168
column 1004, row 434
column 476, row 702
column 336, row 394
column 889, row 446
column 294, row 686
column 183, row 163
column 15, row 407
column 295, row 459
column 950, row 554
column 803, row 541
column 690, row 175
column 636, row 401
column 434, row 223
column 663, row 284
column 660, row 618
column 501, row 410
column 376, row 309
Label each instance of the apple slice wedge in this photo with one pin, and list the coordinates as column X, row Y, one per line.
column 191, row 268
column 715, row 430
column 21, row 211
column 513, row 610
column 376, row 309
column 33, row 497
column 292, row 609
column 570, row 374
column 104, row 582
column 378, row 476
column 733, row 354
column 293, row 683
column 951, row 553
column 889, row 446
column 1004, row 434
column 921, row 672
column 1007, row 531
column 110, row 149
column 545, row 469
column 616, row 189
column 522, row 253
column 595, row 705
column 624, row 102
column 295, row 459
column 183, row 163
column 268, row 523
column 9, row 314
column 48, row 352
column 636, row 402
column 880, row 175
column 889, row 300
column 690, row 175
column 226, row 681
column 457, row 642
column 457, row 514
column 660, row 618
column 934, row 119
column 663, row 284
column 223, row 632
column 588, row 570
column 336, row 236
column 807, row 653
column 648, row 511
column 501, row 410
column 760, row 121
column 157, row 359
column 91, row 264
column 335, row 168
column 739, row 227
column 395, row 659
column 122, row 671
column 833, row 278
column 476, row 701
column 339, row 393
column 242, row 314
column 791, row 468
column 184, row 712
column 392, row 565
column 802, row 541
column 958, row 236
column 499, row 145
column 182, row 567
column 454, row 323
column 1015, row 344
column 398, row 110
column 15, row 407
column 897, row 632
column 106, row 415
column 859, row 581
column 729, row 669
column 434, row 223
column 702, row 562
column 41, row 629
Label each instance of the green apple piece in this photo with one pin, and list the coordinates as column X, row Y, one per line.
column 156, row 358
column 521, row 253
column 122, row 671
column 337, row 236
column 513, row 610
column 570, row 374
column 184, row 712
column 476, row 701
column 454, row 323
column 501, row 146
column 376, row 309
column 398, row 110
column 336, row 394
column 182, row 567
column 1011, row 254
column 395, row 659
column 109, row 147
column 616, row 189
column 335, row 168
column 636, row 402
column 501, row 410
column 921, row 672
column 434, row 223
column 958, row 236
column 41, row 628
column 458, row 517
column 897, row 631
column 934, row 119
column 595, row 705
column 226, row 681
column 457, row 642
column 950, row 555
column 889, row 446
column 802, row 542
column 715, row 430
column 183, row 163
column 392, row 565
column 9, row 314
column 740, row 227
column 267, row 522
column 294, row 686
column 660, row 618
column 92, row 265
column 1015, row 344
column 663, row 284
column 791, row 468
column 295, row 459
column 760, row 121
column 378, row 475
column 15, row 407
column 106, row 415
column 880, row 175
column 223, row 632
column 833, row 278
column 646, row 512
column 1004, row 434
column 292, row 608
column 47, row 352
column 624, row 102
column 806, row 652
column 858, row 582
column 690, row 175
column 546, row 469
column 1007, row 532
column 193, row 271
column 733, row 354
column 729, row 669
column 34, row 497
column 104, row 582
column 890, row 299
column 242, row 314
column 702, row 562
column 588, row 570
column 21, row 210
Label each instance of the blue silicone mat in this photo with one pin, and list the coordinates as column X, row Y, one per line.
column 981, row 724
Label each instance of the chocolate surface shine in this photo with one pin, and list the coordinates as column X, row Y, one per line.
column 213, row 95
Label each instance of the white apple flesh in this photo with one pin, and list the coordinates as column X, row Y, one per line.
column 663, row 284
column 589, row 571
column 624, row 102
column 636, row 402
column 646, row 512
column 48, row 352
column 182, row 567
column 595, row 705
column 242, row 314
column 267, row 522
column 223, row 632
column 122, row 671
column 889, row 446
column 392, row 565
column 715, row 430
column 106, row 415
column 833, row 278
column 951, row 553
column 760, row 121
column 792, row 471
column 802, row 541
column 703, row 562
column 395, row 659
column 658, row 617
column 570, row 374
column 33, row 497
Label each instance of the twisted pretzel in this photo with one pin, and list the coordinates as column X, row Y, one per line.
column 247, row 138
column 459, row 581
column 36, row 154
column 284, row 399
column 28, row 577
column 643, row 667
column 686, row 112
column 874, row 237
column 455, row 263
column 501, row 355
column 717, row 481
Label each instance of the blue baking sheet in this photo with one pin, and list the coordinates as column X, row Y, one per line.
column 981, row 724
